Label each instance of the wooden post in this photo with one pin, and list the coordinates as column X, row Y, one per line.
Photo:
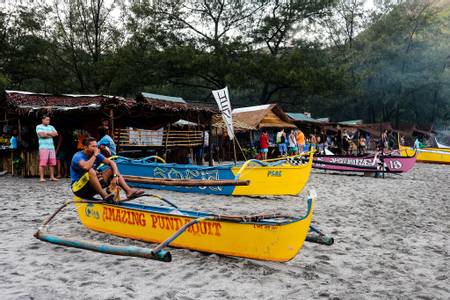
column 234, row 151
column 111, row 122
column 210, row 148
column 19, row 130
column 240, row 148
column 166, row 141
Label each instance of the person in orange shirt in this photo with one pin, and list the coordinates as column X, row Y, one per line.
column 300, row 141
column 80, row 139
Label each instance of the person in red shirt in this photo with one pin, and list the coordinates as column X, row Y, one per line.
column 264, row 144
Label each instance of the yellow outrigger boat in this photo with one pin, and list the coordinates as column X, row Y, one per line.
column 262, row 237
column 428, row 155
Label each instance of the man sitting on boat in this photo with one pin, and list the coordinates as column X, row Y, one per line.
column 86, row 181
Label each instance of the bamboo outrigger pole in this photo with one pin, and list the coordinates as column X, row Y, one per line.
column 186, row 182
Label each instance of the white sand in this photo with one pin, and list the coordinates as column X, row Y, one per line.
column 391, row 242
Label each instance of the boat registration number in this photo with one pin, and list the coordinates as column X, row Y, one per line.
column 274, row 174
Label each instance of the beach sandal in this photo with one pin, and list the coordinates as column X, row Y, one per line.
column 135, row 194
column 109, row 199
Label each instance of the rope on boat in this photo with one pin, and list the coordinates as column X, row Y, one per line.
column 162, row 199
column 142, row 160
column 154, row 157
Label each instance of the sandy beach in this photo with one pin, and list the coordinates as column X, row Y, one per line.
column 391, row 242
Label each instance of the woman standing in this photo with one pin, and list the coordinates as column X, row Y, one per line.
column 264, row 144
column 293, row 149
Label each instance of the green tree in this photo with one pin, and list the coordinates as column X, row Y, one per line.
column 86, row 37
column 277, row 36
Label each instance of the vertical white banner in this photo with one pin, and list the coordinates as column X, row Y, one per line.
column 223, row 101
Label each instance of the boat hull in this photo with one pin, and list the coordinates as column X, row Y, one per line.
column 392, row 164
column 280, row 179
column 429, row 155
column 267, row 240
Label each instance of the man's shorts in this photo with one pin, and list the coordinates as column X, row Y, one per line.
column 264, row 150
column 83, row 189
column 47, row 157
column 62, row 155
column 282, row 148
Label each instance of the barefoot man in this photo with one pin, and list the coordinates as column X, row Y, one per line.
column 86, row 181
column 47, row 156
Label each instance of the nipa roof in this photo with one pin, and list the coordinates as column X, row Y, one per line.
column 27, row 102
column 217, row 122
column 263, row 116
column 173, row 104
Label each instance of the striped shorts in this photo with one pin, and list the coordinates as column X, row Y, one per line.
column 47, row 157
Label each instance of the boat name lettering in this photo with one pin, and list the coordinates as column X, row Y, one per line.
column 274, row 174
column 124, row 216
column 352, row 161
column 265, row 227
column 174, row 223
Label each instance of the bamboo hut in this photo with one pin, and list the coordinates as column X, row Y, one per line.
column 248, row 122
column 21, row 111
column 169, row 126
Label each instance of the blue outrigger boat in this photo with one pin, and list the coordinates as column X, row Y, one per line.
column 271, row 177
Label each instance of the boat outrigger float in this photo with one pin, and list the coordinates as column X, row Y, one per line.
column 271, row 237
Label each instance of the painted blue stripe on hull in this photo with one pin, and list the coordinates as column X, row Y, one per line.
column 177, row 171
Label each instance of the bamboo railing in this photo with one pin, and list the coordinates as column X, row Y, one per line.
column 127, row 137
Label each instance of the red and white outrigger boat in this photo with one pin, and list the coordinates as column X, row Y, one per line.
column 378, row 162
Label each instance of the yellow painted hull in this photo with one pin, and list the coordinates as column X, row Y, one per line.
column 285, row 179
column 267, row 240
column 428, row 155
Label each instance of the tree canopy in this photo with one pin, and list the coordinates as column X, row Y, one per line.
column 333, row 58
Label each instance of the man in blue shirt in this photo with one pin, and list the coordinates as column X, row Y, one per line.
column 13, row 140
column 86, row 181
column 106, row 141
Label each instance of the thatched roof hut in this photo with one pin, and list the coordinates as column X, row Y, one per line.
column 170, row 109
column 263, row 116
column 217, row 122
column 146, row 111
column 21, row 111
column 26, row 103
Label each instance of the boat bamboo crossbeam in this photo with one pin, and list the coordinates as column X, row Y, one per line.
column 185, row 182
